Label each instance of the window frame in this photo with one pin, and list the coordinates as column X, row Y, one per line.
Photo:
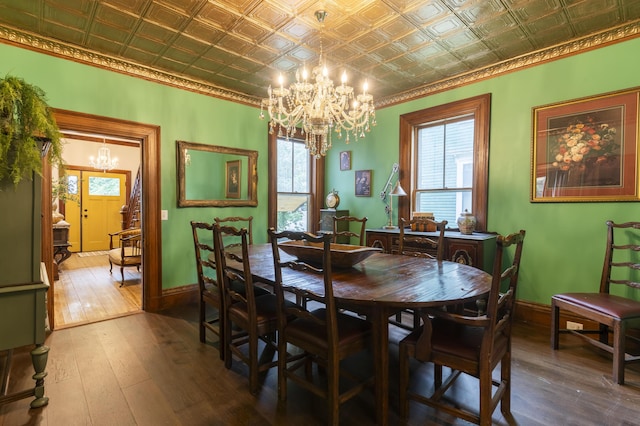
column 316, row 189
column 480, row 108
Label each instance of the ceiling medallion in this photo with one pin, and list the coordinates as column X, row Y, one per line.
column 319, row 107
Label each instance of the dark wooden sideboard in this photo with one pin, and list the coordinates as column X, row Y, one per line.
column 477, row 249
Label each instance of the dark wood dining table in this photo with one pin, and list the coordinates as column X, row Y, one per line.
column 378, row 287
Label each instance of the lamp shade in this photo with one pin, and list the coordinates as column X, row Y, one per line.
column 398, row 191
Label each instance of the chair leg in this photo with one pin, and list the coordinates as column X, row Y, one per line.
column 485, row 395
column 122, row 273
column 403, row 381
column 619, row 330
column 555, row 324
column 505, row 374
column 253, row 362
column 333, row 393
column 282, row 366
column 202, row 315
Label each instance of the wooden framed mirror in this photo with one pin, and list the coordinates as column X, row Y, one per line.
column 216, row 176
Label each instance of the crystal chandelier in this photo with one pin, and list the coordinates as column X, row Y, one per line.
column 104, row 161
column 319, row 107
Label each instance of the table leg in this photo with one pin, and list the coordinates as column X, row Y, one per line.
column 381, row 359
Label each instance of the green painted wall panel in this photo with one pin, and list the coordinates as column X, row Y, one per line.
column 565, row 241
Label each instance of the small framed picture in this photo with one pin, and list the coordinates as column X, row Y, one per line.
column 345, row 160
column 363, row 183
column 233, row 179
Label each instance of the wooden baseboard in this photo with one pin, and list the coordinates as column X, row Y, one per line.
column 179, row 296
column 539, row 314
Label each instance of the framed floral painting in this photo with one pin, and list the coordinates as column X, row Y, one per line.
column 586, row 149
column 233, row 179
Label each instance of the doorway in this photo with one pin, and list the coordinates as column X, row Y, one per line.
column 87, row 288
column 149, row 136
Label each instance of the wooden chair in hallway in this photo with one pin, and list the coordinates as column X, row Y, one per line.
column 349, row 219
column 125, row 250
column 473, row 345
column 325, row 335
column 612, row 312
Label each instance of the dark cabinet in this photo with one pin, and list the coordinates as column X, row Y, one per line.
column 477, row 249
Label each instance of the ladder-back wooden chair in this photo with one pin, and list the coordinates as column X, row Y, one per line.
column 435, row 243
column 348, row 233
column 237, row 222
column 473, row 345
column 125, row 250
column 325, row 335
column 250, row 315
column 612, row 312
column 209, row 291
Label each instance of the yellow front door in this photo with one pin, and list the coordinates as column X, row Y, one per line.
column 103, row 195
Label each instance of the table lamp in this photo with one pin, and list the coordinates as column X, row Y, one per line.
column 396, row 192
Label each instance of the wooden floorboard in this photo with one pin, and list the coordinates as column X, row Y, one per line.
column 87, row 292
column 151, row 369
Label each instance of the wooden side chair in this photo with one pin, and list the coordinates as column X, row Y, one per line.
column 126, row 250
column 325, row 335
column 612, row 312
column 209, row 291
column 237, row 222
column 348, row 233
column 434, row 243
column 249, row 315
column 471, row 345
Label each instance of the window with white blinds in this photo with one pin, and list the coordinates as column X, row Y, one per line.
column 444, row 160
column 444, row 167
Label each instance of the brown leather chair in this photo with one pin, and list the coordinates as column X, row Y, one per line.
column 126, row 250
column 471, row 345
column 406, row 241
column 249, row 315
column 209, row 291
column 325, row 335
column 349, row 219
column 611, row 312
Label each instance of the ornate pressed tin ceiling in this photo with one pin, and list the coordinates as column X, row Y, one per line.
column 234, row 49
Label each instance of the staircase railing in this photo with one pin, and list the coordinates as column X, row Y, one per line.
column 131, row 211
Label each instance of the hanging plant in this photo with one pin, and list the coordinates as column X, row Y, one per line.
column 26, row 123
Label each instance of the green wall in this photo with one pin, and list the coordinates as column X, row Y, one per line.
column 565, row 241
column 182, row 115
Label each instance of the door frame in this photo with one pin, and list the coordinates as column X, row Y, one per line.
column 149, row 136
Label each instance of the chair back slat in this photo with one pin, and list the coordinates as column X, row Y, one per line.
column 622, row 258
column 348, row 233
column 435, row 243
column 242, row 289
column 203, row 244
column 300, row 311
column 236, row 222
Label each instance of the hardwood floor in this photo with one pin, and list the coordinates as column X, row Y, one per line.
column 150, row 369
column 86, row 292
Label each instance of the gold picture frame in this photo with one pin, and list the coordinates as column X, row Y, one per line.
column 586, row 149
